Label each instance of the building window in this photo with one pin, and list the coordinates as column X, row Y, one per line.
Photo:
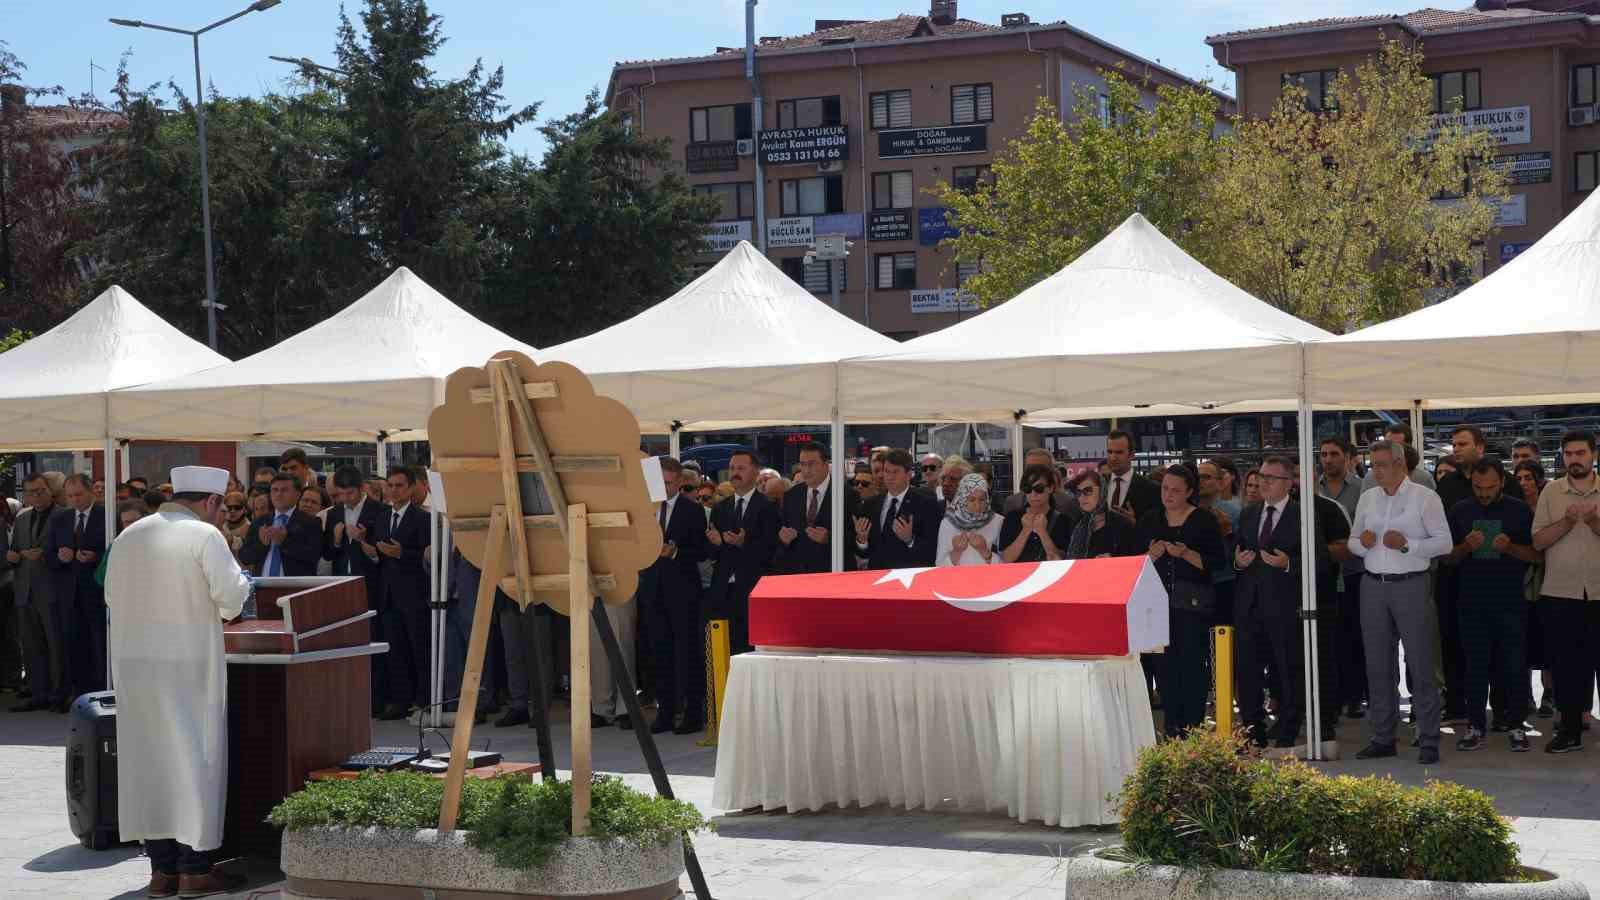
column 1451, row 88
column 891, row 109
column 1586, row 171
column 1583, row 85
column 808, row 112
column 1103, row 107
column 897, row 271
column 892, row 190
column 719, row 123
column 971, row 103
column 965, row 270
column 812, row 196
column 1318, row 87
column 738, row 199
column 813, row 276
column 968, row 179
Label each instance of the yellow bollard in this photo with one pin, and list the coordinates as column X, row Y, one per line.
column 1222, row 666
column 717, row 651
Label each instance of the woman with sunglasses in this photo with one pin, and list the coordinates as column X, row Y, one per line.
column 1038, row 531
column 237, row 519
column 1098, row 534
column 970, row 532
column 1185, row 547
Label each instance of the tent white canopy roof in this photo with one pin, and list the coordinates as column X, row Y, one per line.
column 53, row 388
column 1133, row 327
column 377, row 366
column 1527, row 334
column 743, row 337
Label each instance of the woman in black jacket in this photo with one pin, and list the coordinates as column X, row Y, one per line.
column 1038, row 531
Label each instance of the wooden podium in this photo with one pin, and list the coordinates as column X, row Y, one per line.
column 299, row 696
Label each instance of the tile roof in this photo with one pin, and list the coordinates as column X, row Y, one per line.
column 898, row 28
column 79, row 119
column 1421, row 21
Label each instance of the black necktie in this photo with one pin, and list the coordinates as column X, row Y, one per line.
column 738, row 512
column 811, row 508
column 1266, row 529
column 394, row 524
column 77, row 530
column 1116, row 494
column 894, row 510
column 663, row 517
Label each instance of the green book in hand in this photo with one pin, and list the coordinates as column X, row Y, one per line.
column 1491, row 529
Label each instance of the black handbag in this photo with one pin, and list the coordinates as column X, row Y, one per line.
column 1187, row 595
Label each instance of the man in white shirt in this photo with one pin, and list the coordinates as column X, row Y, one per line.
column 1400, row 526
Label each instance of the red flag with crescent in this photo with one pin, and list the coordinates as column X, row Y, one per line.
column 1092, row 607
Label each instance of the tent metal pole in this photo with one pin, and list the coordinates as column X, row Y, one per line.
column 109, row 506
column 1016, row 450
column 381, row 466
column 1308, row 582
column 836, row 526
column 1416, row 426
column 675, row 439
column 435, row 625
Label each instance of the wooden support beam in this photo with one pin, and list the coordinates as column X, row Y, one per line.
column 507, row 383
column 493, row 566
column 602, row 580
column 597, row 520
column 491, row 464
column 535, row 390
column 580, row 601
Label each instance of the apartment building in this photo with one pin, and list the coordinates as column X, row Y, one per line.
column 859, row 120
column 1528, row 71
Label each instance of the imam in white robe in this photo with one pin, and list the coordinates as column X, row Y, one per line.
column 171, row 582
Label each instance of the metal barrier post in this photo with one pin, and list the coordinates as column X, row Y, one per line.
column 717, row 653
column 1223, row 668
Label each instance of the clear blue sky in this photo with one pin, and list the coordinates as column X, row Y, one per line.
column 554, row 52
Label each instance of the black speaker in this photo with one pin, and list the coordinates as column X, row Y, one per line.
column 92, row 770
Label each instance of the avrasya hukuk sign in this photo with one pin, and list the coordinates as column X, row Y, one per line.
column 798, row 146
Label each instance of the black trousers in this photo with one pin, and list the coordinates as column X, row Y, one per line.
column 1453, row 659
column 1267, row 633
column 169, row 857
column 83, row 627
column 1330, row 669
column 1572, row 630
column 1492, row 638
column 1186, row 671
column 677, row 655
column 406, row 628
column 1349, row 651
column 733, row 604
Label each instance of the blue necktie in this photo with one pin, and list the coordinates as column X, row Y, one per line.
column 274, row 558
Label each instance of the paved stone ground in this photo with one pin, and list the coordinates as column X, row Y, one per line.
column 875, row 853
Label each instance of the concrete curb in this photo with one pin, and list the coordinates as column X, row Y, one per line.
column 428, row 858
column 1092, row 878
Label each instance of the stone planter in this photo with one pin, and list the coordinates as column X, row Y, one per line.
column 400, row 863
column 1091, row 878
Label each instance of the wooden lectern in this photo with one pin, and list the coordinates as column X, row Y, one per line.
column 299, row 696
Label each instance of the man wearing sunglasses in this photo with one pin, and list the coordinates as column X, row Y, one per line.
column 931, row 465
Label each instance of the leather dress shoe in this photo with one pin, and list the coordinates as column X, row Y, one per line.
column 690, row 727
column 1375, row 751
column 517, row 715
column 662, row 724
column 1428, row 756
column 210, row 884
column 162, row 885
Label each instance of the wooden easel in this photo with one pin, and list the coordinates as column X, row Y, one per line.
column 514, row 419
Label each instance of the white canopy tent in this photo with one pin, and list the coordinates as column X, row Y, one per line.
column 742, row 335
column 1527, row 334
column 54, row 388
column 377, row 366
column 1133, row 322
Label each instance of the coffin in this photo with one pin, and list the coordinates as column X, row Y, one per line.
column 1091, row 607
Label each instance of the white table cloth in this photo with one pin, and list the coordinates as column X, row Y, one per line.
column 1044, row 739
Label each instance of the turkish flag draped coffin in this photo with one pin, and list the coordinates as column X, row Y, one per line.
column 1091, row 607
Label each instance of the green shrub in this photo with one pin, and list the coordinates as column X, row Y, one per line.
column 517, row 822
column 1200, row 803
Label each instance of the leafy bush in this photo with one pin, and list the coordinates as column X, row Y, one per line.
column 1198, row 802
column 517, row 822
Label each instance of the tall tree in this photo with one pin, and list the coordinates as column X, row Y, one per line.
column 420, row 152
column 1356, row 212
column 599, row 231
column 1063, row 186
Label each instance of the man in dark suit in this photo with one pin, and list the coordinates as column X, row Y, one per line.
column 669, row 599
column 353, row 519
column 1127, row 493
column 77, row 541
column 804, row 542
column 899, row 528
column 1266, row 605
column 743, row 535
column 34, row 586
column 398, row 545
column 286, row 541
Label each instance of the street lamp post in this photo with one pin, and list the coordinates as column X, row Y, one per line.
column 200, row 122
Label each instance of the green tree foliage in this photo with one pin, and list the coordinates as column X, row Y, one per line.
column 600, row 231
column 1063, row 186
column 1336, row 215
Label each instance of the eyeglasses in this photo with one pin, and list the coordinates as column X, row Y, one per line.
column 232, row 508
column 930, row 468
column 1036, row 489
column 863, row 482
column 687, row 489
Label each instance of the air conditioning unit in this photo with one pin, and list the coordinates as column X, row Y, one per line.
column 745, row 146
column 1580, row 115
column 831, row 167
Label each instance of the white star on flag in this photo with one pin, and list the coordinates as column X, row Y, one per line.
column 904, row 576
